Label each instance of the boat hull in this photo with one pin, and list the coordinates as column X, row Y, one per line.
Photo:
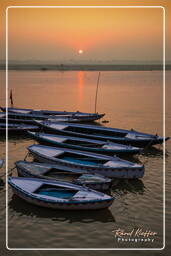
column 87, row 199
column 64, row 206
column 100, row 150
column 138, row 140
column 28, row 115
column 120, row 173
column 22, row 172
column 18, row 129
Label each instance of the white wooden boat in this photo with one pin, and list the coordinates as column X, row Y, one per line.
column 112, row 167
column 85, row 144
column 29, row 118
column 129, row 137
column 58, row 115
column 54, row 172
column 58, row 195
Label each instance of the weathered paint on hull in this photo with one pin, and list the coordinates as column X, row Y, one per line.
column 64, row 206
column 120, row 173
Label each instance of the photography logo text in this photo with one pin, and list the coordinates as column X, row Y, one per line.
column 134, row 235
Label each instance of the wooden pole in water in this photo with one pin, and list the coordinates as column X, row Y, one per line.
column 98, row 79
column 11, row 99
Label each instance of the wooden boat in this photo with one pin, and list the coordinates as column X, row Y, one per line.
column 58, row 195
column 45, row 114
column 29, row 118
column 73, row 118
column 20, row 118
column 17, row 128
column 55, row 172
column 128, row 137
column 1, row 163
column 108, row 166
column 84, row 144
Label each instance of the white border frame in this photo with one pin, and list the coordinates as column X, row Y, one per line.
column 164, row 53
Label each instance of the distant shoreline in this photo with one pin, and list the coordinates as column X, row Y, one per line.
column 85, row 67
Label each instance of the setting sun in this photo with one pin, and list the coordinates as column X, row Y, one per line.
column 80, row 51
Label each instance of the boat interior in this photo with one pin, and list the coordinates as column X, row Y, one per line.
column 83, row 143
column 24, row 116
column 62, row 174
column 81, row 159
column 95, row 131
column 56, row 191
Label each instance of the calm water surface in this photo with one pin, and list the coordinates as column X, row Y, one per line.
column 130, row 99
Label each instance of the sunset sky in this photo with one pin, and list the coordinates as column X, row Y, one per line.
column 78, row 35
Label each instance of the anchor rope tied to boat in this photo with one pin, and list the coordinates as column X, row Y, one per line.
column 11, row 171
column 28, row 154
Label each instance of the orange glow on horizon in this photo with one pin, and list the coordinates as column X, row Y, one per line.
column 104, row 34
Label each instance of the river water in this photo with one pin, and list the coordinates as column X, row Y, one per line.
column 130, row 99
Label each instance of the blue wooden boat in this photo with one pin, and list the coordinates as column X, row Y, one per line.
column 55, row 172
column 1, row 163
column 128, row 137
column 84, row 144
column 29, row 118
column 108, row 166
column 58, row 115
column 17, row 128
column 20, row 118
column 58, row 195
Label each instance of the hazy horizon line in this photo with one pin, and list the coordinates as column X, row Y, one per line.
column 85, row 67
column 84, row 62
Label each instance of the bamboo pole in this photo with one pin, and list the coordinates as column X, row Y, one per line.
column 98, row 79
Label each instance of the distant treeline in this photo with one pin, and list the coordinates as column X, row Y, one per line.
column 80, row 67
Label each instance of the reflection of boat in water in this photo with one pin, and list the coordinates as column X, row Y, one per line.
column 24, row 209
column 135, row 186
column 16, row 138
column 153, row 152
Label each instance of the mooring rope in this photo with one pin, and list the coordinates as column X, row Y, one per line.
column 26, row 156
column 12, row 169
column 9, row 173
